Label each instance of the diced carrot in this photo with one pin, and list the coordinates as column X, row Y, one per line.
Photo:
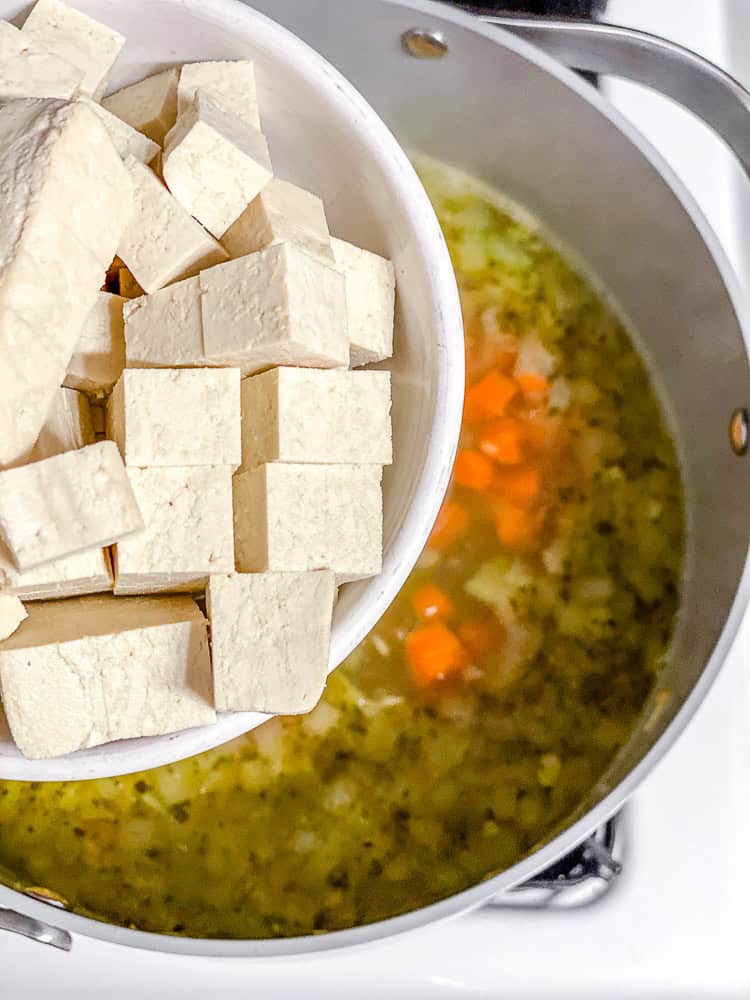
column 503, row 441
column 433, row 651
column 521, row 485
column 533, row 385
column 490, row 396
column 430, row 603
column 516, row 528
column 450, row 524
column 472, row 470
column 481, row 637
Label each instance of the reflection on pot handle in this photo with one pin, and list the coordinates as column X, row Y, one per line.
column 35, row 929
column 689, row 79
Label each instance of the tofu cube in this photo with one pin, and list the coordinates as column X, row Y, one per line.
column 30, row 70
column 87, row 44
column 67, row 427
column 281, row 213
column 162, row 243
column 65, row 504
column 270, row 640
column 215, row 164
column 91, row 670
column 99, row 356
column 165, row 330
column 12, row 613
column 149, row 106
column 52, row 155
column 86, row 572
column 327, row 417
column 277, row 307
column 188, row 535
column 127, row 140
column 370, row 300
column 177, row 416
column 304, row 517
column 230, row 85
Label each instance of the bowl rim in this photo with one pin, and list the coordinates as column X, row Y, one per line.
column 114, row 759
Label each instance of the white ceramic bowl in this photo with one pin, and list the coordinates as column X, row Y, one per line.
column 324, row 136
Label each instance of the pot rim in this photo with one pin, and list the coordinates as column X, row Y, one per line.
column 468, row 899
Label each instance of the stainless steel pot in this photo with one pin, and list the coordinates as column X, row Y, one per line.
column 485, row 100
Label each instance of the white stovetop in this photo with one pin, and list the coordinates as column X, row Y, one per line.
column 675, row 925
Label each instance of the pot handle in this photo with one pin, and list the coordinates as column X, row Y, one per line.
column 689, row 79
column 19, row 923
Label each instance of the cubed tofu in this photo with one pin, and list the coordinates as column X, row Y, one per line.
column 165, row 330
column 177, row 416
column 270, row 640
column 127, row 140
column 215, row 164
column 99, row 356
column 188, row 536
column 281, row 213
column 12, row 613
column 303, row 517
column 29, row 70
column 67, row 427
column 370, row 300
column 87, row 572
column 325, row 417
column 91, row 670
column 87, row 44
column 52, row 155
column 68, row 503
column 230, row 85
column 162, row 243
column 150, row 106
column 277, row 307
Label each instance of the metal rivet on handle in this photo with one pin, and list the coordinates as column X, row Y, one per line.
column 738, row 431
column 424, row 44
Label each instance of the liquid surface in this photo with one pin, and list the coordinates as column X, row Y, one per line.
column 488, row 701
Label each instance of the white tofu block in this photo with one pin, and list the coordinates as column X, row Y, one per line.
column 87, row 44
column 165, row 330
column 230, row 85
column 162, row 243
column 127, row 140
column 52, row 155
column 91, row 670
column 99, row 356
column 12, row 613
column 303, row 517
column 29, row 70
column 281, row 213
column 86, row 572
column 188, row 535
column 67, row 427
column 214, row 164
column 270, row 640
column 326, row 417
column 370, row 300
column 74, row 501
column 177, row 416
column 277, row 307
column 150, row 106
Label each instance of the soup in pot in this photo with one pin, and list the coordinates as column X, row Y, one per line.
column 488, row 701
